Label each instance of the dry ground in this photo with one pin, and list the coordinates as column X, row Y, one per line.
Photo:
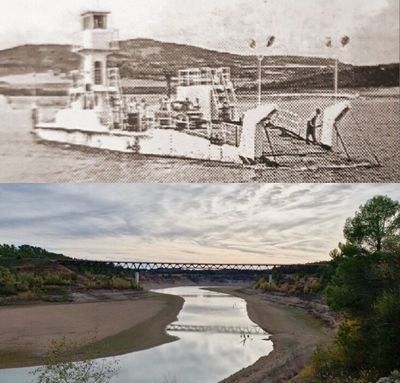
column 117, row 326
column 295, row 334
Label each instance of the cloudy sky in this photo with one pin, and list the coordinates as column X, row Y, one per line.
column 299, row 25
column 277, row 223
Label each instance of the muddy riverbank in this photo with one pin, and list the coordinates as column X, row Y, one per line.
column 296, row 331
column 101, row 323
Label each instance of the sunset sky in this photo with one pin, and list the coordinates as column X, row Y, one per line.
column 300, row 26
column 278, row 223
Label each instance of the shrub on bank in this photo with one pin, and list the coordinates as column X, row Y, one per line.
column 291, row 285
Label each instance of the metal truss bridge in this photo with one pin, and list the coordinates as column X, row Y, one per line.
column 174, row 266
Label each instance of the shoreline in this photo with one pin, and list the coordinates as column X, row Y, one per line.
column 104, row 328
column 295, row 334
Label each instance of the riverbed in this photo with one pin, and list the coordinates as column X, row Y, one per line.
column 215, row 339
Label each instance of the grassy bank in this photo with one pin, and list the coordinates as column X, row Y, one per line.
column 100, row 328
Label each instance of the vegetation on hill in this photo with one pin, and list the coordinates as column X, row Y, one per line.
column 305, row 281
column 31, row 273
column 26, row 252
column 350, row 77
column 38, row 58
column 150, row 59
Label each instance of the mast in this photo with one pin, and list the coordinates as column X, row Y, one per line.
column 260, row 59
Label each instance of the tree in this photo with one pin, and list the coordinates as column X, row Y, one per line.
column 364, row 288
column 375, row 223
column 56, row 370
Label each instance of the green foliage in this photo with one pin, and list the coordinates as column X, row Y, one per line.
column 363, row 285
column 296, row 284
column 8, row 282
column 354, row 286
column 56, row 279
column 109, row 282
column 375, row 223
column 26, row 277
column 26, row 252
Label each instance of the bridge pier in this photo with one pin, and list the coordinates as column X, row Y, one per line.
column 270, row 279
column 137, row 278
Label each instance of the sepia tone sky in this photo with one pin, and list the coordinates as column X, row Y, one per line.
column 300, row 26
column 278, row 223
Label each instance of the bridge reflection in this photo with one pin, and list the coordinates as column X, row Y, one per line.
column 241, row 330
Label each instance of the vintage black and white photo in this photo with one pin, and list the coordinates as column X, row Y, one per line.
column 185, row 91
column 199, row 191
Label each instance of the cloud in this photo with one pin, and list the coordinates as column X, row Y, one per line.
column 300, row 26
column 220, row 223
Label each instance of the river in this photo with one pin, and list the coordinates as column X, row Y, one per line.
column 372, row 126
column 215, row 339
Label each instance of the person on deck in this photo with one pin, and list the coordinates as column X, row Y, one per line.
column 196, row 105
column 312, row 124
column 188, row 105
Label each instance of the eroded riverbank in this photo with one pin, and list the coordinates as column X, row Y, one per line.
column 295, row 334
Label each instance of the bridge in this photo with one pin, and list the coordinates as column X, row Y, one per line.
column 175, row 266
column 186, row 267
column 241, row 330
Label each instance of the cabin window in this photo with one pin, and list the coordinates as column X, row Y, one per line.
column 100, row 22
column 98, row 73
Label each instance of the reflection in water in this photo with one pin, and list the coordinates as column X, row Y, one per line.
column 216, row 339
column 216, row 329
column 210, row 329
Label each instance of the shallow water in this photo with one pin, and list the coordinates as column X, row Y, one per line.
column 371, row 126
column 207, row 353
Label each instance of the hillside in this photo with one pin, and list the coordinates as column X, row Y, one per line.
column 150, row 59
column 38, row 58
column 29, row 273
column 135, row 57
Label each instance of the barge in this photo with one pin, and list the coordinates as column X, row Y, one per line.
column 201, row 121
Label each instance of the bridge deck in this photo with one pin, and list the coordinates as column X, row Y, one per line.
column 241, row 330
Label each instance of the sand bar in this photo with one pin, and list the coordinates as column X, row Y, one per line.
column 117, row 326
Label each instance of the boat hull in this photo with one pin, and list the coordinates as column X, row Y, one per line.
column 155, row 142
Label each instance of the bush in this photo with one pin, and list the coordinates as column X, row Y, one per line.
column 8, row 282
column 56, row 279
column 329, row 364
column 88, row 370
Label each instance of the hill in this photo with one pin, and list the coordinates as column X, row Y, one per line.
column 151, row 59
column 12, row 252
column 136, row 57
column 38, row 58
column 29, row 273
